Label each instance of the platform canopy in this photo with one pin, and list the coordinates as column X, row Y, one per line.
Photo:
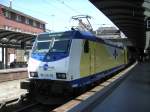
column 13, row 39
column 129, row 16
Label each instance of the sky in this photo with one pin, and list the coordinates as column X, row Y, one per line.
column 58, row 13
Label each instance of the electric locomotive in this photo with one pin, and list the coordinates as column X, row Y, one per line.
column 61, row 62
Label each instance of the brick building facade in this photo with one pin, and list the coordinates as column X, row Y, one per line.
column 13, row 20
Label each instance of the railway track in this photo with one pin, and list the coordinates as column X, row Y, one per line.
column 26, row 108
column 24, row 105
column 35, row 107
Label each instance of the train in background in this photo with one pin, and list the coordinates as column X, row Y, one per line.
column 63, row 62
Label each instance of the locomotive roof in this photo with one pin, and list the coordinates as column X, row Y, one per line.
column 89, row 36
column 75, row 34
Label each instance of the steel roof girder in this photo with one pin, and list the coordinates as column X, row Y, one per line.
column 128, row 22
column 10, row 35
column 125, row 3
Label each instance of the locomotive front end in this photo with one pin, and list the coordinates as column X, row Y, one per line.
column 49, row 57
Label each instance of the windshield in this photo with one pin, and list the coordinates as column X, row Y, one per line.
column 43, row 45
column 55, row 46
column 48, row 43
column 60, row 46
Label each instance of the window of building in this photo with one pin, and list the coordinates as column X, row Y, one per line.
column 38, row 24
column 34, row 23
column 7, row 14
column 31, row 22
column 22, row 19
column 9, row 28
column 27, row 21
column 6, row 27
column 18, row 18
column 41, row 26
column 13, row 16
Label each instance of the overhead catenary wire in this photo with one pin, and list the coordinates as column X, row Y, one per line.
column 37, row 12
column 5, row 2
column 74, row 10
column 56, row 8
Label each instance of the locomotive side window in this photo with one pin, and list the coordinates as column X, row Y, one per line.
column 86, row 46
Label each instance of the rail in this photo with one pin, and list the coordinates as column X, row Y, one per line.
column 24, row 104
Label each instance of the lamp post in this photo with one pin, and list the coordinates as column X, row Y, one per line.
column 52, row 16
column 10, row 3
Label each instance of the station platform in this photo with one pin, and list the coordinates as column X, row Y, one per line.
column 132, row 95
column 13, row 74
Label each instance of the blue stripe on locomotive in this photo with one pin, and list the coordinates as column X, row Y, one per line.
column 49, row 57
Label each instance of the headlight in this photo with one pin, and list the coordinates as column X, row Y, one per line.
column 33, row 74
column 61, row 75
